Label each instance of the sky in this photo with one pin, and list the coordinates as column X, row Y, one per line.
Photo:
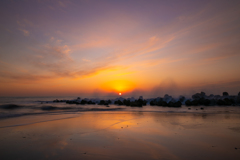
column 136, row 47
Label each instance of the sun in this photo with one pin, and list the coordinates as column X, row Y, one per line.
column 119, row 94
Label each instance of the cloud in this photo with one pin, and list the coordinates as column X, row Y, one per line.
column 25, row 32
column 25, row 23
column 23, row 78
column 52, row 62
column 94, row 71
column 52, row 53
column 86, row 60
column 216, row 58
column 94, row 43
column 130, row 52
column 61, row 4
column 53, row 71
column 61, row 51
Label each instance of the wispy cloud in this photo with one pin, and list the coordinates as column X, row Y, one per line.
column 85, row 60
column 61, row 4
column 54, row 71
column 25, row 32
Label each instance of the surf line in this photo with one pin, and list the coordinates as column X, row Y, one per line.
column 38, row 122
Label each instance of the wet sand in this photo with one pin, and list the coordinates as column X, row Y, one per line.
column 121, row 135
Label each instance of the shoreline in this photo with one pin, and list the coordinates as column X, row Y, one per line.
column 145, row 109
column 122, row 135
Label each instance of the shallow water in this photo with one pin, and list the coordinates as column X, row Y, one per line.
column 121, row 135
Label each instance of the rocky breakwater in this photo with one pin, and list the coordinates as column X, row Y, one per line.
column 212, row 100
column 198, row 99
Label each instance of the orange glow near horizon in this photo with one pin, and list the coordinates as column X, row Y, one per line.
column 118, row 86
column 120, row 94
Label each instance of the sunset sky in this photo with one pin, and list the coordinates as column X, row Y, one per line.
column 136, row 47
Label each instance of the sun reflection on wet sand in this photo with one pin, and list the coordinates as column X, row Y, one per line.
column 124, row 135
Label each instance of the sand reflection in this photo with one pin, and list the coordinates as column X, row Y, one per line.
column 124, row 135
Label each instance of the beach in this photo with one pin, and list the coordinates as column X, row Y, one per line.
column 139, row 133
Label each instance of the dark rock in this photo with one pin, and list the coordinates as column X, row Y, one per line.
column 135, row 104
column 225, row 93
column 238, row 99
column 202, row 108
column 201, row 101
column 141, row 101
column 195, row 102
column 167, row 98
column 164, row 103
column 207, row 102
column 177, row 104
column 181, row 98
column 174, row 104
column 220, row 102
column 83, row 102
column 126, row 102
column 118, row 102
column 109, row 101
column 227, row 101
column 161, row 103
column 188, row 103
column 56, row 100
column 170, row 104
column 102, row 102
column 90, row 102
column 198, row 96
column 152, row 103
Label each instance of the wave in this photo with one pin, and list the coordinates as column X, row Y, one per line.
column 16, row 125
column 48, row 110
column 10, row 106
